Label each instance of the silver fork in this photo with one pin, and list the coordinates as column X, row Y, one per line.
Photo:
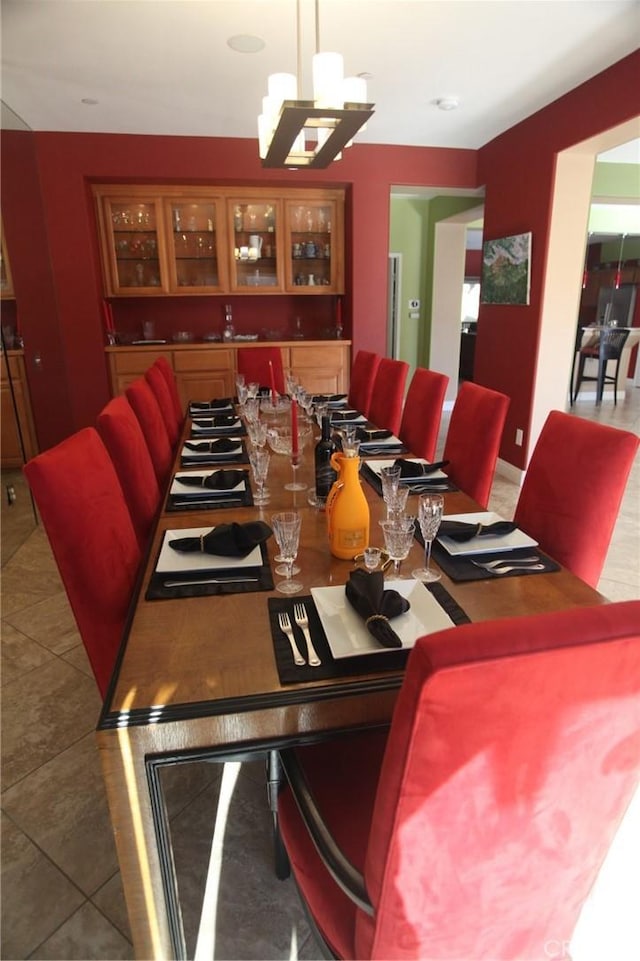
column 301, row 619
column 497, row 571
column 286, row 628
column 507, row 560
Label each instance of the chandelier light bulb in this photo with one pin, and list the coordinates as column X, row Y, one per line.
column 328, row 78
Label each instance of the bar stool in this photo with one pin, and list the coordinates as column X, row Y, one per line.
column 609, row 347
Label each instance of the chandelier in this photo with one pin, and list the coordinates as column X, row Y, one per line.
column 311, row 133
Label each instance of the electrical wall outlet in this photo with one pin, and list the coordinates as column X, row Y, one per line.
column 414, row 305
column 519, row 437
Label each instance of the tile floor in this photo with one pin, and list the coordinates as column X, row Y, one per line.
column 61, row 891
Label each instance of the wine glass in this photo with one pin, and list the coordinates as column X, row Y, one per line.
column 259, row 460
column 286, row 527
column 390, row 478
column 257, row 430
column 398, row 538
column 279, row 557
column 429, row 517
column 396, row 501
column 239, row 383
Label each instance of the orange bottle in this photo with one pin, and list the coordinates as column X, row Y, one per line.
column 347, row 509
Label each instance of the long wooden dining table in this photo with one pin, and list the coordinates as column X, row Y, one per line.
column 196, row 678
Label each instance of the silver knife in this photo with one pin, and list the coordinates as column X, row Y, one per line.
column 212, row 580
column 194, row 502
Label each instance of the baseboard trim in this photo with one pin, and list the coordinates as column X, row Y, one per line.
column 510, row 471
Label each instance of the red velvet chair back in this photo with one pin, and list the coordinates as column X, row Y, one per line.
column 387, row 398
column 84, row 513
column 423, row 412
column 147, row 410
column 511, row 759
column 166, row 370
column 253, row 362
column 363, row 374
column 572, row 490
column 473, row 439
column 158, row 384
column 122, row 435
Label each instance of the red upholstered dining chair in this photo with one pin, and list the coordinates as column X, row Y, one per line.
column 473, row 439
column 388, row 394
column 158, row 384
column 422, row 412
column 572, row 490
column 254, row 362
column 477, row 826
column 166, row 370
column 122, row 435
column 86, row 518
column 363, row 373
column 147, row 410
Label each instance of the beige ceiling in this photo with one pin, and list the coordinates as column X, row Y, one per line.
column 164, row 66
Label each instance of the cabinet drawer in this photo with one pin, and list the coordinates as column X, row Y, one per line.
column 328, row 356
column 207, row 359
column 136, row 361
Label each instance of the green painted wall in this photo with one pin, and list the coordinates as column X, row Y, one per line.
column 616, row 180
column 408, row 237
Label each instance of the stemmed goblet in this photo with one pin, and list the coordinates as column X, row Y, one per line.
column 390, row 479
column 396, row 501
column 398, row 538
column 429, row 517
column 286, row 527
column 259, row 460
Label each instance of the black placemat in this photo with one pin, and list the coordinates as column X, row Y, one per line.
column 461, row 569
column 200, row 459
column 390, row 660
column 437, row 487
column 202, row 409
column 156, row 591
column 212, row 502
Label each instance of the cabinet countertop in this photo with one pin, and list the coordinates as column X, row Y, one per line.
column 224, row 345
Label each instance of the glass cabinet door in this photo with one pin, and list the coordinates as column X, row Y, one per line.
column 254, row 230
column 313, row 234
column 197, row 236
column 137, row 245
column 6, row 284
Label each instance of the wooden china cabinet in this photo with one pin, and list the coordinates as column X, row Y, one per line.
column 182, row 241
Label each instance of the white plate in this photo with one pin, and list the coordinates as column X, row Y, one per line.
column 196, row 427
column 392, row 441
column 346, row 631
column 222, row 455
column 200, row 412
column 338, row 418
column 184, row 490
column 377, row 465
column 171, row 561
column 485, row 544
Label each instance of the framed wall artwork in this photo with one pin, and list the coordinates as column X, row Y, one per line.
column 506, row 270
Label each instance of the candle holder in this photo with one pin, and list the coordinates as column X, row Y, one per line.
column 279, row 440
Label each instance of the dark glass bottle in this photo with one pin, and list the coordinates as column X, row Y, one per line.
column 325, row 474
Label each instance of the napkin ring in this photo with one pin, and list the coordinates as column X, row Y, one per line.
column 376, row 617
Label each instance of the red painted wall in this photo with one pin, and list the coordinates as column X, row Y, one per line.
column 518, row 169
column 66, row 166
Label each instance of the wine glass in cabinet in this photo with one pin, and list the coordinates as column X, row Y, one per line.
column 314, row 244
column 197, row 236
column 254, row 226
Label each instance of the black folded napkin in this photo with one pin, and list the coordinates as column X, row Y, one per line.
column 328, row 398
column 222, row 446
column 409, row 468
column 459, row 531
column 219, row 421
column 372, row 435
column 366, row 594
column 226, row 540
column 338, row 415
column 220, row 404
column 221, row 480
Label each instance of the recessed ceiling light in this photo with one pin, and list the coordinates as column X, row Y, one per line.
column 245, row 43
column 447, row 103
column 89, row 101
